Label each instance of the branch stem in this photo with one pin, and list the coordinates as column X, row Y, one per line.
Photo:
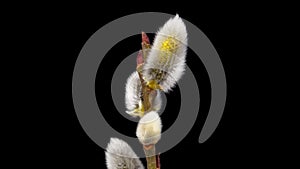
column 150, row 156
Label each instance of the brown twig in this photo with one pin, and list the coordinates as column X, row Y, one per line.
column 145, row 97
column 140, row 63
column 150, row 156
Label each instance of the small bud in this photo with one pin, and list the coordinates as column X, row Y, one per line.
column 149, row 128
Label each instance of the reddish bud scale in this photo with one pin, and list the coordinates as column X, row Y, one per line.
column 139, row 58
column 145, row 38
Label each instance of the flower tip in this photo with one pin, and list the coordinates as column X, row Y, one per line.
column 145, row 38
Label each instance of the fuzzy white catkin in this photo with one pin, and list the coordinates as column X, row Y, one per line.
column 174, row 64
column 120, row 155
column 133, row 95
column 149, row 128
column 132, row 91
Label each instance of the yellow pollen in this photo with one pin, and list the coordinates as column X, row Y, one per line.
column 169, row 45
column 168, row 48
column 153, row 85
column 140, row 111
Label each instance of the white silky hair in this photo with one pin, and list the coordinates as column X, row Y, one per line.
column 149, row 128
column 133, row 93
column 175, row 67
column 120, row 155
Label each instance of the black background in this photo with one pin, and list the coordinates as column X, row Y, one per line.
column 242, row 137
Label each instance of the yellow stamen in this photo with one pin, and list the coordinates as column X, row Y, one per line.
column 169, row 45
column 168, row 48
column 153, row 85
column 140, row 110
